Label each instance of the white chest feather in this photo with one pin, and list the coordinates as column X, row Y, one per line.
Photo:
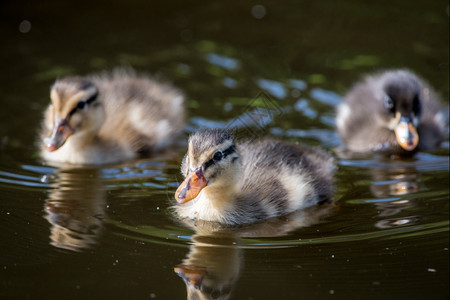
column 75, row 153
column 205, row 208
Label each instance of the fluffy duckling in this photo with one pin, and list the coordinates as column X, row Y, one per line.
column 110, row 117
column 237, row 183
column 392, row 113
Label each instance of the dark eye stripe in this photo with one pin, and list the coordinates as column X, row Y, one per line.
column 208, row 164
column 225, row 153
column 73, row 111
column 92, row 98
column 228, row 151
column 81, row 104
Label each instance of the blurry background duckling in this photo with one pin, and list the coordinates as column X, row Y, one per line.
column 393, row 113
column 244, row 182
column 110, row 117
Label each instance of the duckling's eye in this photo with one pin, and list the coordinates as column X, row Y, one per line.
column 389, row 104
column 217, row 156
column 81, row 105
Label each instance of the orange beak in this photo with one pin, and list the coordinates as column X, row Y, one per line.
column 60, row 133
column 406, row 134
column 191, row 186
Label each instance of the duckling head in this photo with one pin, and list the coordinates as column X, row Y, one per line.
column 212, row 164
column 74, row 110
column 401, row 106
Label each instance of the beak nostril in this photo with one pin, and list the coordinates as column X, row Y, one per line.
column 190, row 187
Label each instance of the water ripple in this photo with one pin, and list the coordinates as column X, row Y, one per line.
column 223, row 61
column 326, row 97
column 15, row 179
column 275, row 88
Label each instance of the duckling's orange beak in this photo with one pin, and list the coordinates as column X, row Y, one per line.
column 191, row 186
column 406, row 134
column 61, row 131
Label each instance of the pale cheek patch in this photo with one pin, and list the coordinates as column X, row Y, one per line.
column 394, row 122
column 75, row 120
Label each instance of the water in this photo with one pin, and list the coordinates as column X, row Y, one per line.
column 109, row 232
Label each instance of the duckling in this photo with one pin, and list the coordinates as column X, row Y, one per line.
column 234, row 183
column 110, row 117
column 392, row 113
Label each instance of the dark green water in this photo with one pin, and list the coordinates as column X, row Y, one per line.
column 109, row 233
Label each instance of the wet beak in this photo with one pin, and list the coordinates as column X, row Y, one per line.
column 406, row 134
column 61, row 131
column 191, row 186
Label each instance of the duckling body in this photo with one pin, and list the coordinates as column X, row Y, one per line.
column 393, row 113
column 110, row 117
column 237, row 183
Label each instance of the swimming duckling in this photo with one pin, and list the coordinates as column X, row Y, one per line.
column 393, row 113
column 111, row 117
column 236, row 183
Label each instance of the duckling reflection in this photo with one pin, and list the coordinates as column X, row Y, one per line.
column 75, row 208
column 395, row 182
column 396, row 222
column 213, row 265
